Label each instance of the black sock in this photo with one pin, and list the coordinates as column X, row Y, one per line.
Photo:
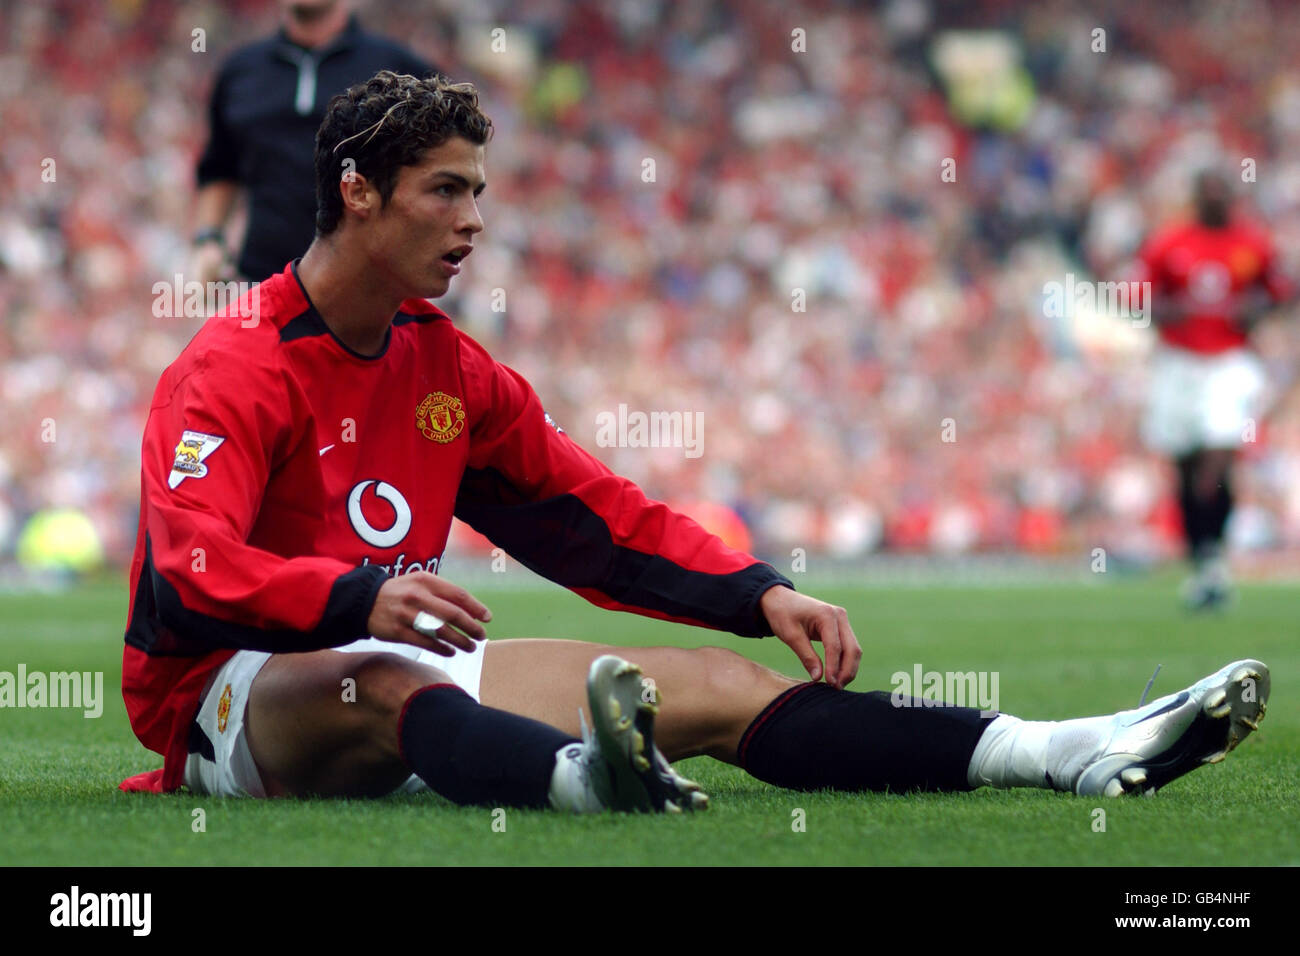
column 1217, row 510
column 473, row 754
column 1204, row 519
column 814, row 737
column 1193, row 509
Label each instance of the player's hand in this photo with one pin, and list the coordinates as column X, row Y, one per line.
column 209, row 263
column 798, row 620
column 400, row 599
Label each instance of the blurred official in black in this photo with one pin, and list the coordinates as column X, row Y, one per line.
column 268, row 102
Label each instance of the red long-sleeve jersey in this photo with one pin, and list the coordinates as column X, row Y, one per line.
column 285, row 477
column 1207, row 274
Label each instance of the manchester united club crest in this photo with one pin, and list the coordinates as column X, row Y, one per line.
column 223, row 710
column 1244, row 263
column 440, row 417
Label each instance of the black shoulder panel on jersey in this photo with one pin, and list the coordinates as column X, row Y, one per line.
column 161, row 624
column 405, row 318
column 562, row 539
column 303, row 326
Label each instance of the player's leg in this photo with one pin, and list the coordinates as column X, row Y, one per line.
column 1209, row 490
column 1212, row 486
column 1225, row 406
column 1182, row 419
column 1205, row 499
column 709, row 694
column 358, row 724
column 1188, row 467
column 361, row 720
column 784, row 731
column 810, row 736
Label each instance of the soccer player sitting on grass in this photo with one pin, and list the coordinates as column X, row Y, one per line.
column 288, row 633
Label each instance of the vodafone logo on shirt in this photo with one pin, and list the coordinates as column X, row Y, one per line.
column 1209, row 283
column 397, row 529
column 381, row 517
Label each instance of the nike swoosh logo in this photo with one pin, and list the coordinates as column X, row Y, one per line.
column 1172, row 705
column 325, row 449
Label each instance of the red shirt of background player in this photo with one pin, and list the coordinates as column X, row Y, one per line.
column 1203, row 279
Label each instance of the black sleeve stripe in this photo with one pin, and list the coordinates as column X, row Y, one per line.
column 562, row 539
column 161, row 624
column 200, row 743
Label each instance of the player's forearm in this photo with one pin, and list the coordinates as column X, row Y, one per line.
column 1253, row 307
column 620, row 551
column 213, row 589
column 213, row 204
column 295, row 608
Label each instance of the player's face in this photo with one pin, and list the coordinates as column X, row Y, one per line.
column 428, row 226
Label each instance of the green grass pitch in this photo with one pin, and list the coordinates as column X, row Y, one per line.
column 1060, row 651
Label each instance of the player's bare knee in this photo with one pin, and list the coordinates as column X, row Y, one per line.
column 728, row 675
column 379, row 685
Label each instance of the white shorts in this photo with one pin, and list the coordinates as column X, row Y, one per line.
column 230, row 771
column 1202, row 401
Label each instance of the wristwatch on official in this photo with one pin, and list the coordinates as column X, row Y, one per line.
column 211, row 234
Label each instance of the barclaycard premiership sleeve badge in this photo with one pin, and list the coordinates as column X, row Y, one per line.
column 190, row 452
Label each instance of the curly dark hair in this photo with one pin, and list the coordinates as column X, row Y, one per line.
column 386, row 123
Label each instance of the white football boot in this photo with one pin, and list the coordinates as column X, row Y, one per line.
column 617, row 766
column 1148, row 747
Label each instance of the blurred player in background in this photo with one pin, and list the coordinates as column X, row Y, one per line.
column 268, row 100
column 1211, row 281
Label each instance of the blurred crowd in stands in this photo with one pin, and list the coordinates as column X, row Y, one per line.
column 864, row 335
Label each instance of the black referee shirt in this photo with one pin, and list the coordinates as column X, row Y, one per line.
column 268, row 102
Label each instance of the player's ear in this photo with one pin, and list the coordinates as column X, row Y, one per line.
column 358, row 194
